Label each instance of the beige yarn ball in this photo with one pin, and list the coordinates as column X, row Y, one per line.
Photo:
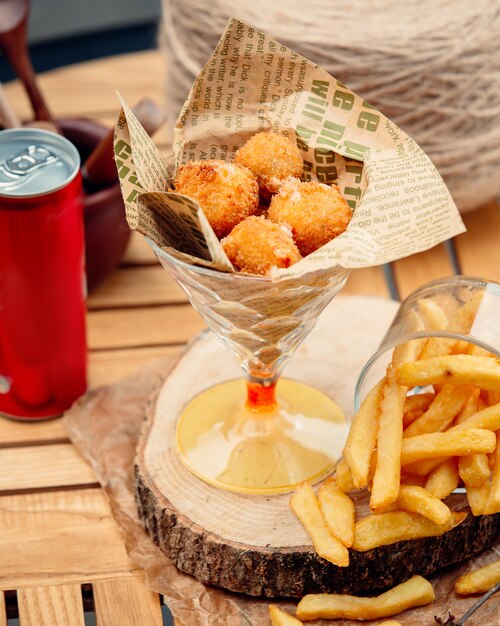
column 431, row 66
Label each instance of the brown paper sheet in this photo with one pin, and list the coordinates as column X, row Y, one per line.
column 105, row 425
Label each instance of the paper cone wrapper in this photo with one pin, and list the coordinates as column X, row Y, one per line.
column 252, row 83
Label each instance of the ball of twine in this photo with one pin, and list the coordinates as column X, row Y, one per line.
column 432, row 67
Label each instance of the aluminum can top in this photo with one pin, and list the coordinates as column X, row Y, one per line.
column 35, row 162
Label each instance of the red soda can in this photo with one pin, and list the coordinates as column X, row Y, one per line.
column 42, row 288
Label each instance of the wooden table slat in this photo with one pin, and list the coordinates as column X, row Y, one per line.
column 368, row 281
column 3, row 614
column 126, row 602
column 139, row 286
column 152, row 285
column 59, row 537
column 414, row 271
column 105, row 368
column 109, row 366
column 14, row 432
column 128, row 328
column 59, row 605
column 478, row 250
column 138, row 252
column 39, row 467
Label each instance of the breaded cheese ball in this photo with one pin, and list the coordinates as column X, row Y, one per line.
column 227, row 193
column 314, row 212
column 256, row 245
column 272, row 158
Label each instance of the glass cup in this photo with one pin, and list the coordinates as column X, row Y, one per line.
column 461, row 313
column 279, row 433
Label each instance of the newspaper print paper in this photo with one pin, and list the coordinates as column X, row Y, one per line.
column 252, row 83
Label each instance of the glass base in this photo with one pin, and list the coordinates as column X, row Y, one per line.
column 261, row 450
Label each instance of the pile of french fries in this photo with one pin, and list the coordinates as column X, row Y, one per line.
column 430, row 426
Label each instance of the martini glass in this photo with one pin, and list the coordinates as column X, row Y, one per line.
column 267, row 434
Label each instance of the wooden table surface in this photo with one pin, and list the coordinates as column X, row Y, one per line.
column 58, row 541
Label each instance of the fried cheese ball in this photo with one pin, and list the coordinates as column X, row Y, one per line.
column 256, row 245
column 227, row 193
column 314, row 212
column 272, row 158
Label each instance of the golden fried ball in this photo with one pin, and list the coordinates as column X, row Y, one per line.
column 272, row 158
column 256, row 245
column 314, row 212
column 227, row 193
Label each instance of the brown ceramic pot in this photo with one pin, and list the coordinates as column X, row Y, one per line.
column 106, row 230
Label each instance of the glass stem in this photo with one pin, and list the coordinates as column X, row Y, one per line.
column 261, row 397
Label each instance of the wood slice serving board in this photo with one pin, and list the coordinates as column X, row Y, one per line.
column 254, row 544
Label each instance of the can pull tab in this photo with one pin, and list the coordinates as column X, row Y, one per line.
column 24, row 164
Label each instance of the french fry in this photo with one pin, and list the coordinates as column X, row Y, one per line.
column 480, row 580
column 409, row 350
column 387, row 474
column 432, row 314
column 443, row 480
column 415, row 406
column 282, row 618
column 443, row 410
column 488, row 418
column 425, row 467
column 414, row 592
column 388, row 509
column 477, row 351
column 385, row 487
column 459, row 369
column 417, row 500
column 481, row 405
column 470, row 407
column 338, row 512
column 343, row 477
column 437, row 346
column 490, row 397
column 474, row 469
column 387, row 528
column 450, row 443
column 373, row 467
column 305, row 505
column 460, row 322
column 410, row 416
column 418, row 402
column 493, row 503
column 462, row 347
column 362, row 437
column 477, row 498
column 491, row 459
